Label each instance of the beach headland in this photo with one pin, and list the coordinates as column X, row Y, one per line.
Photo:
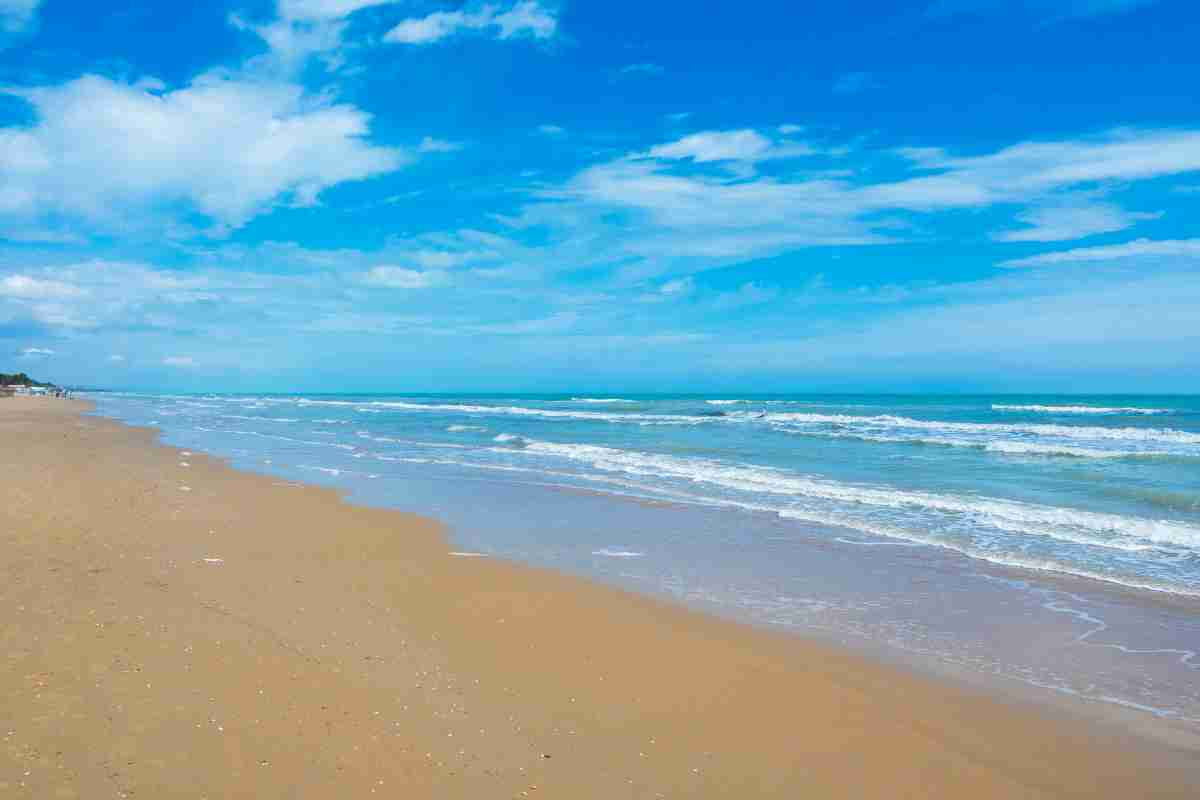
column 172, row 627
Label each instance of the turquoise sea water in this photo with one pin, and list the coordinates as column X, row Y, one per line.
column 1053, row 539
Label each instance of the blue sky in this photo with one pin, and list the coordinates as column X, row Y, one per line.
column 950, row 195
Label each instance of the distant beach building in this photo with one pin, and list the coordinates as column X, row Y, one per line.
column 22, row 384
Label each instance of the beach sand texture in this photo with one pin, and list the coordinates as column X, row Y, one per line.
column 171, row 627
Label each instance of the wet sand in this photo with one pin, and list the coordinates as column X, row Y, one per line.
column 171, row 627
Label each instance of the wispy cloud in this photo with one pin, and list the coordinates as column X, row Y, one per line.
column 1025, row 171
column 552, row 130
column 179, row 361
column 750, row 293
column 303, row 29
column 680, row 287
column 1138, row 248
column 743, row 145
column 432, row 145
column 36, row 352
column 1064, row 223
column 401, row 278
column 17, row 15
column 524, row 18
column 325, row 9
column 30, row 288
column 699, row 202
column 642, row 68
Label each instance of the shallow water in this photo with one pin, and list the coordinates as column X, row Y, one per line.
column 1051, row 540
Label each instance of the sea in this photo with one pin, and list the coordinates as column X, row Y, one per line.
column 1046, row 542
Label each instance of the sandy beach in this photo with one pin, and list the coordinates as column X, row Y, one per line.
column 172, row 627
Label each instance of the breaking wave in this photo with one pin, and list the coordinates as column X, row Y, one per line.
column 1097, row 410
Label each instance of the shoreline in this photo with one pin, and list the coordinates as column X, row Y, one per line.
column 508, row 676
column 1048, row 636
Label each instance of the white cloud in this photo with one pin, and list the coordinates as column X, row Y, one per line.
column 696, row 203
column 29, row 288
column 36, row 352
column 291, row 42
column 1063, row 223
column 95, row 294
column 426, row 30
column 304, row 28
column 789, row 129
column 552, row 130
column 432, row 145
column 179, row 361
column 401, row 278
column 228, row 148
column 1138, row 248
column 720, row 217
column 743, row 145
column 680, row 287
column 748, row 294
column 116, row 358
column 643, row 68
column 527, row 17
column 1031, row 169
column 445, row 259
column 17, row 15
column 325, row 9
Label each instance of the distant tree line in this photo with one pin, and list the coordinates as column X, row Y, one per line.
column 21, row 379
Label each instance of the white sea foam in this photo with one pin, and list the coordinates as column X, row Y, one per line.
column 739, row 401
column 1031, row 448
column 523, row 411
column 508, row 437
column 1098, row 410
column 463, row 428
column 600, row 400
column 917, row 537
column 1016, row 448
column 1065, row 524
column 887, row 422
column 414, row 442
column 257, row 419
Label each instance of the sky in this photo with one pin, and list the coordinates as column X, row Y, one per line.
column 529, row 195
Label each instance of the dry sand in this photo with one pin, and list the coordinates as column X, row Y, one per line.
column 171, row 627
